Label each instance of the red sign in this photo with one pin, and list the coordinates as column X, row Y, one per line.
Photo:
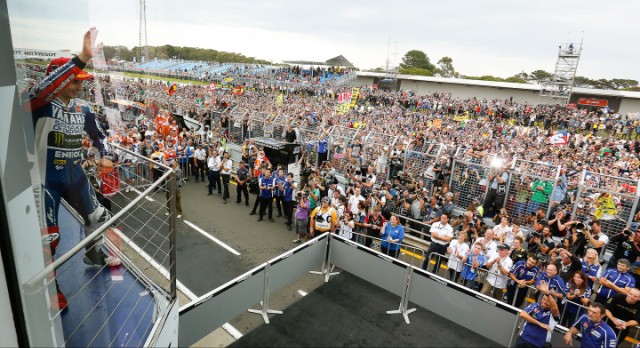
column 593, row 102
column 572, row 106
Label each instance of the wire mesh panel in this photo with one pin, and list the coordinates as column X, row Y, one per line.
column 114, row 279
column 341, row 139
column 609, row 199
column 531, row 187
column 468, row 182
column 237, row 128
column 377, row 148
column 257, row 125
column 420, row 164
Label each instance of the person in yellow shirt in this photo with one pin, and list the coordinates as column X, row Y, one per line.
column 322, row 218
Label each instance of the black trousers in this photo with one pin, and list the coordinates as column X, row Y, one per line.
column 201, row 170
column 225, row 185
column 256, row 204
column 438, row 249
column 266, row 203
column 216, row 182
column 279, row 203
column 288, row 211
column 514, row 291
column 492, row 203
column 245, row 192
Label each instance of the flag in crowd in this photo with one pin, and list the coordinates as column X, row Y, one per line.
column 228, row 79
column 279, row 99
column 238, row 90
column 212, row 86
column 559, row 138
column 172, row 89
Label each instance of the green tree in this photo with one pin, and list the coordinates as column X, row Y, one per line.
column 417, row 59
column 540, row 76
column 584, row 82
column 416, row 71
column 445, row 67
column 516, row 79
column 623, row 83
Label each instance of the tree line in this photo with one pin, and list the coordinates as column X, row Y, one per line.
column 178, row 52
column 417, row 62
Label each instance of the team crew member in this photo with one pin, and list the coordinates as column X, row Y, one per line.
column 267, row 185
column 279, row 192
column 615, row 281
column 595, row 331
column 214, row 163
column 623, row 312
column 288, row 200
column 242, row 178
column 552, row 279
column 441, row 235
column 522, row 275
column 225, row 173
column 392, row 234
column 540, row 321
column 322, row 218
column 60, row 121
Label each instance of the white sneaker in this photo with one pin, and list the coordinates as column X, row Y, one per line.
column 179, row 216
column 113, row 261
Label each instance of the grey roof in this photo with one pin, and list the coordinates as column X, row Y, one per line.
column 335, row 61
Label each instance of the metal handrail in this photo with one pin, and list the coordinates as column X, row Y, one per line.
column 36, row 279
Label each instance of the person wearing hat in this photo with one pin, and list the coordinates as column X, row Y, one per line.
column 242, row 179
column 323, row 218
column 60, row 120
column 499, row 265
column 615, row 281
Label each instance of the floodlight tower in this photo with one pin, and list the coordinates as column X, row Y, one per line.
column 142, row 32
column 560, row 85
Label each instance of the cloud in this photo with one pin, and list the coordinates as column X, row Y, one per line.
column 496, row 37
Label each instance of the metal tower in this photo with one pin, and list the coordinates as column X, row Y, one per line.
column 142, row 32
column 560, row 85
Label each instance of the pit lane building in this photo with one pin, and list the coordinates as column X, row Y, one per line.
column 622, row 102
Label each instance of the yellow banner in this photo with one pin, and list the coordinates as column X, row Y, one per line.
column 228, row 79
column 355, row 92
column 459, row 118
column 279, row 100
column 342, row 109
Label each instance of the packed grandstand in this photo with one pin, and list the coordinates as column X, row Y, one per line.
column 541, row 181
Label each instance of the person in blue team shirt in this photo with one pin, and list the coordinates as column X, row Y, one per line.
column 472, row 262
column 280, row 179
column 267, row 185
column 615, row 281
column 289, row 200
column 522, row 275
column 392, row 234
column 591, row 266
column 579, row 293
column 552, row 279
column 540, row 319
column 595, row 331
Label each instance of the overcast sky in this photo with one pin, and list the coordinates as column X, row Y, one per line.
column 483, row 37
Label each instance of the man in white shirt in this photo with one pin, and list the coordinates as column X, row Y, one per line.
column 225, row 173
column 596, row 238
column 489, row 246
column 214, row 163
column 354, row 199
column 441, row 234
column 499, row 265
column 201, row 163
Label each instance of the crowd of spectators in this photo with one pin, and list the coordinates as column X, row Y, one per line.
column 534, row 243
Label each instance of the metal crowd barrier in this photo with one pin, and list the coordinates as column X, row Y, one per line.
column 141, row 233
column 408, row 253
